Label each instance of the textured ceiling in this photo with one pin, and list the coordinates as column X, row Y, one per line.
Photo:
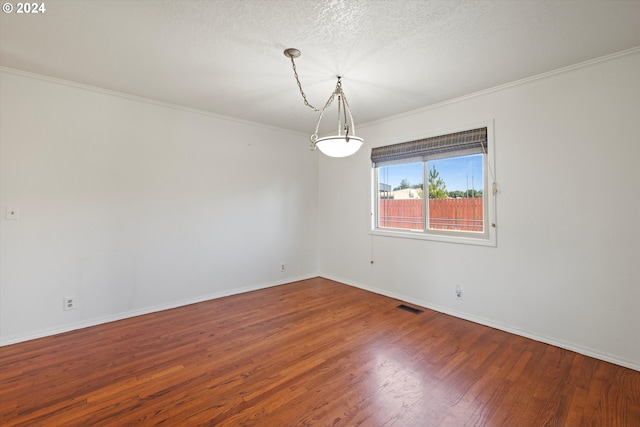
column 226, row 57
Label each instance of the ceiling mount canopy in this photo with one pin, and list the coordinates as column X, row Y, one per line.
column 341, row 144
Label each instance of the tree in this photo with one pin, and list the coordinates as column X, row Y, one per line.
column 437, row 187
column 459, row 194
column 403, row 184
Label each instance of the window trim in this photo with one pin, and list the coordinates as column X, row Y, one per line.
column 488, row 238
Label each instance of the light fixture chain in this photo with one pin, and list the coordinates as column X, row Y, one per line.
column 295, row 73
column 336, row 145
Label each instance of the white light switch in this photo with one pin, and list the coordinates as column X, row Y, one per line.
column 12, row 212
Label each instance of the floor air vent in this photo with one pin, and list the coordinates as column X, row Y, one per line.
column 409, row 309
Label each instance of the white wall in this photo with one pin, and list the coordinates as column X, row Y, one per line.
column 567, row 266
column 133, row 206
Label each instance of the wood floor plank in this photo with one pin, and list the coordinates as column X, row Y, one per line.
column 314, row 352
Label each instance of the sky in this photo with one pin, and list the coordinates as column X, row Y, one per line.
column 458, row 173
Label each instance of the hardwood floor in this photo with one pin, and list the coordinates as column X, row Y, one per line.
column 314, row 352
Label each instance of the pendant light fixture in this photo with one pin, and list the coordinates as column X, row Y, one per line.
column 341, row 144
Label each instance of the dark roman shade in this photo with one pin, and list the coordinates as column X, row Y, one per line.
column 460, row 144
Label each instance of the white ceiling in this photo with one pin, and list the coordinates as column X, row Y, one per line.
column 226, row 57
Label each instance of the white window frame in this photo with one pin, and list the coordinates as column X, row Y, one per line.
column 490, row 190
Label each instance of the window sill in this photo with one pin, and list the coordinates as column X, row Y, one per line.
column 447, row 238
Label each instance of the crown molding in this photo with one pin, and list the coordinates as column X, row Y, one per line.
column 137, row 98
column 515, row 83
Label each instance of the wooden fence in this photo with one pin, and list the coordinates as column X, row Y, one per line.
column 444, row 214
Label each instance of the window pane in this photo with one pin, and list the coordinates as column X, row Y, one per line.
column 456, row 187
column 400, row 196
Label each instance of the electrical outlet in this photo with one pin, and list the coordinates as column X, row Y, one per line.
column 458, row 292
column 283, row 267
column 69, row 303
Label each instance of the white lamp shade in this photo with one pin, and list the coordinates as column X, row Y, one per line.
column 337, row 145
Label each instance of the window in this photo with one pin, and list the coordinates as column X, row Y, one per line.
column 436, row 188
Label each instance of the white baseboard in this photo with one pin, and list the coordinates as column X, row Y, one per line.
column 147, row 310
column 547, row 340
column 133, row 313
